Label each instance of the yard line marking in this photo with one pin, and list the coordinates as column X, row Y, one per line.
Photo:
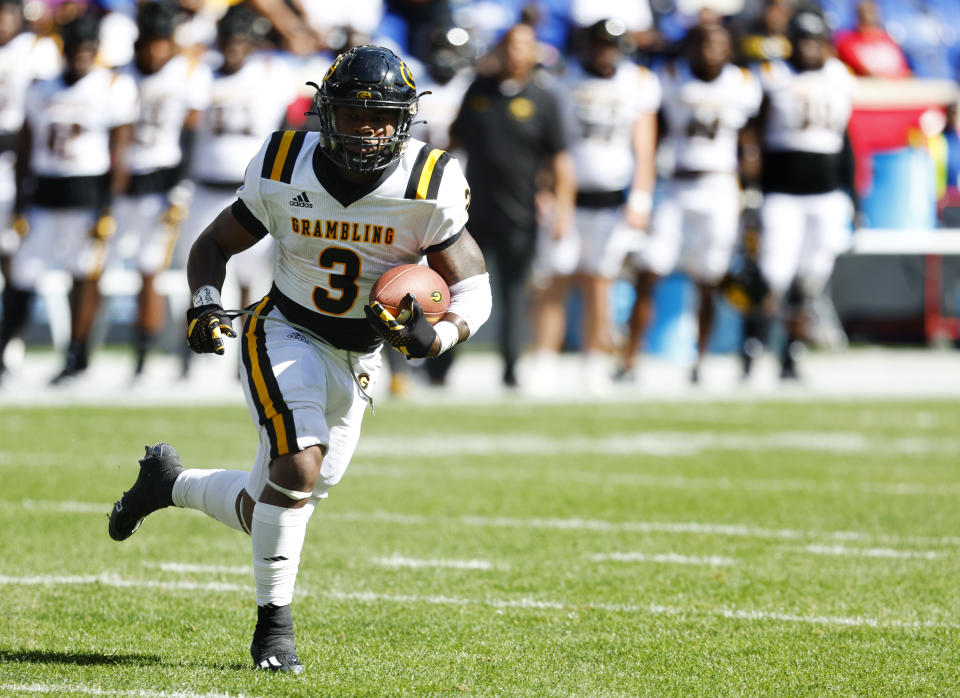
column 188, row 567
column 63, row 688
column 668, row 558
column 401, row 561
column 112, row 580
column 661, row 443
column 680, row 482
column 656, row 609
column 67, row 507
column 678, row 527
column 843, row 551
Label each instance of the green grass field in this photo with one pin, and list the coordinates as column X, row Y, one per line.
column 511, row 550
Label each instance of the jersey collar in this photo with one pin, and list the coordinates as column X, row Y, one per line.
column 341, row 190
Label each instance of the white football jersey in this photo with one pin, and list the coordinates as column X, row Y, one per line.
column 166, row 97
column 604, row 111
column 703, row 118
column 23, row 59
column 330, row 254
column 244, row 108
column 70, row 124
column 807, row 111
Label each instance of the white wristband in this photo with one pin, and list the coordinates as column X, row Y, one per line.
column 640, row 201
column 448, row 333
column 206, row 295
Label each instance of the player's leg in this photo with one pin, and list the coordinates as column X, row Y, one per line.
column 827, row 225
column 657, row 259
column 783, row 223
column 86, row 261
column 28, row 263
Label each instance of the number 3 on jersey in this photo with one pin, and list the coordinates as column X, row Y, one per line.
column 337, row 259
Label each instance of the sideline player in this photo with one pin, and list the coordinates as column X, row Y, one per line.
column 615, row 105
column 24, row 57
column 248, row 98
column 706, row 102
column 806, row 211
column 311, row 347
column 70, row 161
column 172, row 90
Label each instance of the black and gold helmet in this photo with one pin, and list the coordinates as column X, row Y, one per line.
column 368, row 77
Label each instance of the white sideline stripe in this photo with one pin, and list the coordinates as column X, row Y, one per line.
column 64, row 688
column 112, row 580
column 188, row 567
column 656, row 609
column 668, row 558
column 659, row 443
column 679, row 527
column 522, row 603
column 843, row 551
column 679, row 482
column 400, row 561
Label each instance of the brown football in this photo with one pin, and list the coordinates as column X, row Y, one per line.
column 423, row 282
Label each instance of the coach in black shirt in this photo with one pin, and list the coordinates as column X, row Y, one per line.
column 510, row 127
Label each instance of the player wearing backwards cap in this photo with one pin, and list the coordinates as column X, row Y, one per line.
column 344, row 204
column 70, row 161
column 173, row 89
column 805, row 215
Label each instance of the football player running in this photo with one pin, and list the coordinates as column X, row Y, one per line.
column 70, row 162
column 806, row 211
column 706, row 102
column 615, row 106
column 311, row 347
column 173, row 89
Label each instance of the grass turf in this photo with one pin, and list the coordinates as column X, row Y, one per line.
column 629, row 549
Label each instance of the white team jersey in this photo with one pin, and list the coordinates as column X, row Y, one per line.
column 166, row 97
column 807, row 111
column 439, row 108
column 605, row 110
column 23, row 59
column 329, row 255
column 703, row 118
column 244, row 108
column 70, row 124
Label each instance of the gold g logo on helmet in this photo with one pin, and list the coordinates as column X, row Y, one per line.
column 363, row 94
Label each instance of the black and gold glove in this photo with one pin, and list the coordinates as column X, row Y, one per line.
column 413, row 338
column 206, row 326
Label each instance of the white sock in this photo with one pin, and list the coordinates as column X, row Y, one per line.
column 214, row 492
column 277, row 536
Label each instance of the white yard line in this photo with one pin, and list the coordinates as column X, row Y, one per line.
column 68, row 688
column 184, row 567
column 666, row 558
column 401, row 561
column 658, row 443
column 844, row 551
column 110, row 579
column 574, row 524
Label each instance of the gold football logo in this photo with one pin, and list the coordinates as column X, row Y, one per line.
column 436, row 296
column 363, row 94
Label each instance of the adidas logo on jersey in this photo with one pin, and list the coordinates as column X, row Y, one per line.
column 301, row 200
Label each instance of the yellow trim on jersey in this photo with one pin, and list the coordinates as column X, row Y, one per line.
column 424, row 184
column 282, row 153
column 256, row 373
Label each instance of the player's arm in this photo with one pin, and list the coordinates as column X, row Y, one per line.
column 120, row 139
column 22, row 148
column 206, row 270
column 564, row 191
column 643, row 140
column 461, row 265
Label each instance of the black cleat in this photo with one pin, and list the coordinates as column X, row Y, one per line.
column 273, row 647
column 153, row 490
